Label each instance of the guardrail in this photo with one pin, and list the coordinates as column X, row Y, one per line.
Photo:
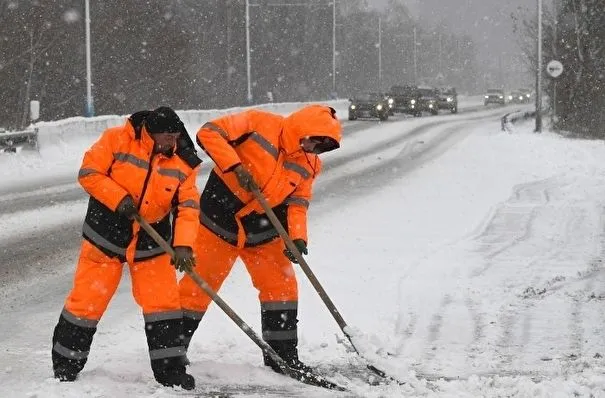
column 12, row 141
column 513, row 117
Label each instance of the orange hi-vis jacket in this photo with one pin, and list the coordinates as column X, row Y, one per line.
column 268, row 146
column 122, row 162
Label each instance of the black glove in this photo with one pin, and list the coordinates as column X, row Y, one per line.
column 183, row 259
column 301, row 245
column 127, row 208
column 244, row 178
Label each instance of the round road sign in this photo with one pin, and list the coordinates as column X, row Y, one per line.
column 554, row 68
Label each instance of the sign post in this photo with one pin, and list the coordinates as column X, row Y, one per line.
column 554, row 69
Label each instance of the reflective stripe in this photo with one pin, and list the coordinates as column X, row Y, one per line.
column 279, row 335
column 250, row 238
column 215, row 128
column 190, row 203
column 167, row 352
column 195, row 315
column 101, row 241
column 176, row 173
column 68, row 353
column 130, row 158
column 148, row 253
column 162, row 316
column 87, row 172
column 261, row 236
column 211, row 225
column 279, row 305
column 266, row 145
column 297, row 169
column 78, row 321
column 297, row 201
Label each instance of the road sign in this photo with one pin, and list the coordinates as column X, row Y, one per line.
column 554, row 68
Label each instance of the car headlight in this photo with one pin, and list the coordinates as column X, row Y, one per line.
column 379, row 107
column 528, row 95
column 391, row 100
column 501, row 97
column 487, row 96
column 413, row 101
column 449, row 99
column 353, row 107
column 510, row 97
column 431, row 106
column 521, row 97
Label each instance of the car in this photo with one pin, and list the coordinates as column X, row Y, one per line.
column 405, row 99
column 369, row 105
column 448, row 99
column 494, row 96
column 517, row 97
column 527, row 93
column 428, row 100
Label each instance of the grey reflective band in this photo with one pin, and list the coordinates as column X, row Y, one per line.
column 266, row 145
column 148, row 253
column 195, row 315
column 163, row 316
column 215, row 128
column 68, row 353
column 261, row 236
column 279, row 305
column 297, row 201
column 250, row 238
column 190, row 203
column 76, row 320
column 87, row 172
column 129, row 158
column 279, row 335
column 211, row 225
column 176, row 173
column 167, row 352
column 297, row 169
column 101, row 241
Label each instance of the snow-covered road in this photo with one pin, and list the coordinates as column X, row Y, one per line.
column 460, row 251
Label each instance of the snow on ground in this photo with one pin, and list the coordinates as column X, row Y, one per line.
column 480, row 269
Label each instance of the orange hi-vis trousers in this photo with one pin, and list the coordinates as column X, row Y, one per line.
column 155, row 289
column 154, row 284
column 271, row 272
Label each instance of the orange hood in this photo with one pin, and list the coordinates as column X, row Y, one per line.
column 311, row 121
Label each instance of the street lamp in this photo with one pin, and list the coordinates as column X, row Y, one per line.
column 539, row 73
column 248, row 57
column 90, row 110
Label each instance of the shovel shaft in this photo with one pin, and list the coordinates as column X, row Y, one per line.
column 218, row 300
column 301, row 260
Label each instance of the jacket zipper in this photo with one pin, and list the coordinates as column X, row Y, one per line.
column 149, row 170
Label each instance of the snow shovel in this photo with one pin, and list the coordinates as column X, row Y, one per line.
column 311, row 379
column 314, row 281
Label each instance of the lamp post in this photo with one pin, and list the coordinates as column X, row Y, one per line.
column 248, row 51
column 539, row 73
column 379, row 45
column 90, row 110
column 415, row 57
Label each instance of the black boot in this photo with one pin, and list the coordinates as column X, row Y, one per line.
column 72, row 339
column 164, row 337
column 279, row 324
column 191, row 320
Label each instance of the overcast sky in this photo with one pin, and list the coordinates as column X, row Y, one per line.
column 488, row 22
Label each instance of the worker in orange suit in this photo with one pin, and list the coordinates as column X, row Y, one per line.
column 147, row 166
column 279, row 155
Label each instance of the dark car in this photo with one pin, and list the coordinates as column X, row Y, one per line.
column 405, row 100
column 369, row 105
column 517, row 97
column 448, row 99
column 494, row 96
column 527, row 93
column 428, row 100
